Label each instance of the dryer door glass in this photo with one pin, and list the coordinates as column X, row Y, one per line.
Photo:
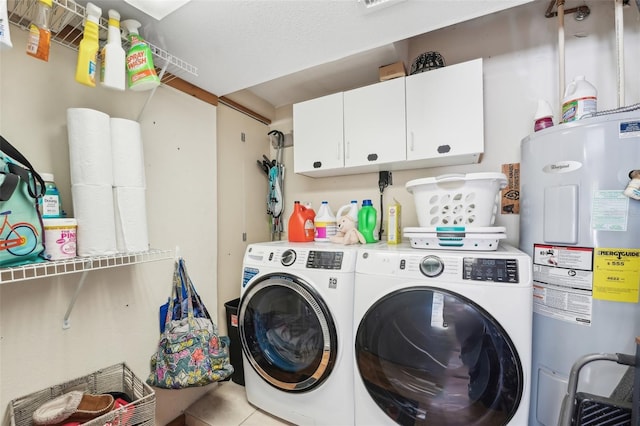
column 432, row 357
column 287, row 333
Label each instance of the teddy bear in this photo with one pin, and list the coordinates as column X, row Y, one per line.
column 347, row 232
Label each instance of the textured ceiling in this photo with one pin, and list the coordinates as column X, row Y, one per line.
column 298, row 47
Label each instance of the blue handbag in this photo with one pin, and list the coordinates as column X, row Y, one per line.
column 21, row 230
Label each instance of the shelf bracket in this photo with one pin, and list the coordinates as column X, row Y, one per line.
column 66, row 323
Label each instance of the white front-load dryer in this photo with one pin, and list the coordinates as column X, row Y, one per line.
column 442, row 337
column 295, row 324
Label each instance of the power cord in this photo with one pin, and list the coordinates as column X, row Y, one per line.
column 384, row 180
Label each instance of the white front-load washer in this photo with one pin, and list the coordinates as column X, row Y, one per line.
column 442, row 337
column 295, row 324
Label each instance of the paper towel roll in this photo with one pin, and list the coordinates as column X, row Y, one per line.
column 127, row 153
column 89, row 147
column 131, row 219
column 94, row 211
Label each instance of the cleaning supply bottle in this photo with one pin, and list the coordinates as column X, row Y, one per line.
column 39, row 40
column 51, row 204
column 325, row 223
column 141, row 74
column 113, row 66
column 350, row 210
column 5, row 31
column 543, row 117
column 367, row 218
column 88, row 49
column 301, row 228
column 580, row 100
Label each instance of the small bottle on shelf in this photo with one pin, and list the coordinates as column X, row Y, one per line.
column 51, row 204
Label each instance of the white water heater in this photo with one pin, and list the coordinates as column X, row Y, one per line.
column 583, row 235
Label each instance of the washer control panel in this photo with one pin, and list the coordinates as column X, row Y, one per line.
column 488, row 269
column 325, row 259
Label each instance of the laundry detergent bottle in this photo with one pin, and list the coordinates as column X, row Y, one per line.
column 88, row 49
column 141, row 74
column 301, row 227
column 367, row 217
column 350, row 210
column 326, row 226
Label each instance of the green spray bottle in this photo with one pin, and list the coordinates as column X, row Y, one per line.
column 141, row 74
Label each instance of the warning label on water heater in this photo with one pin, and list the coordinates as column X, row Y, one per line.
column 563, row 283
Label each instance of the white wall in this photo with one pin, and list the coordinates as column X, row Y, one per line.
column 519, row 48
column 115, row 318
column 242, row 199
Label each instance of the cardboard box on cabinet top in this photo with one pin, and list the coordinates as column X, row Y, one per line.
column 387, row 72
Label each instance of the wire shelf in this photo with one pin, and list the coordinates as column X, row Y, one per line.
column 80, row 264
column 67, row 26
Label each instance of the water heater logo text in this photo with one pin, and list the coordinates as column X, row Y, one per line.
column 562, row 167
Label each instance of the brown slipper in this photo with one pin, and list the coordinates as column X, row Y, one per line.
column 72, row 407
column 91, row 406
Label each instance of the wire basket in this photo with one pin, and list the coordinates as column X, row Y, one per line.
column 117, row 378
column 470, row 199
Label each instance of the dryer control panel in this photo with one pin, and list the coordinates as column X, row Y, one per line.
column 488, row 269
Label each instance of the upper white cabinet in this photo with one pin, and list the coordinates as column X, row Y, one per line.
column 350, row 131
column 319, row 133
column 445, row 119
column 374, row 124
column 435, row 118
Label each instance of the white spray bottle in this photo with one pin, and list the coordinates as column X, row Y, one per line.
column 113, row 69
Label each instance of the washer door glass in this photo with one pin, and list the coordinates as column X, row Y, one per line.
column 428, row 356
column 287, row 332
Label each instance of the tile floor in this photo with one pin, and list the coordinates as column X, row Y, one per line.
column 227, row 405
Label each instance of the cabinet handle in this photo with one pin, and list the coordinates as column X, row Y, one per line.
column 338, row 149
column 348, row 153
column 412, row 141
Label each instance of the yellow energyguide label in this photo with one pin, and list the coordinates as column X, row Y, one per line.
column 616, row 274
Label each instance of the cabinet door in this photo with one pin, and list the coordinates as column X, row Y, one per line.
column 374, row 124
column 318, row 134
column 445, row 119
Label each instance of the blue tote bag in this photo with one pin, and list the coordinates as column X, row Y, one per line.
column 21, row 230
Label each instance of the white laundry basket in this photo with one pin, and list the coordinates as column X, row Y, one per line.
column 457, row 199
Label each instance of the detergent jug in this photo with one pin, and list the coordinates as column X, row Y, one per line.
column 350, row 210
column 301, row 228
column 325, row 223
column 367, row 221
column 580, row 100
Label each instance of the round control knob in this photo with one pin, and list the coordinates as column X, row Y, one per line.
column 288, row 257
column 431, row 266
